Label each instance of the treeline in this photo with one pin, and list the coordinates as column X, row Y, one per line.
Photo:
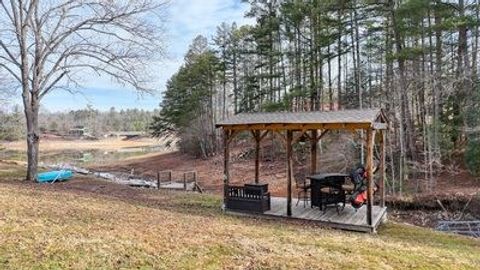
column 96, row 122
column 417, row 59
column 190, row 104
column 12, row 123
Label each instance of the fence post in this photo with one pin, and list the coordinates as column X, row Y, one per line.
column 158, row 180
column 185, row 181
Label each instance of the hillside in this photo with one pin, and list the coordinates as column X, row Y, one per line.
column 334, row 158
column 86, row 223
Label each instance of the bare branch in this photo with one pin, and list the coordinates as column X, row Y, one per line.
column 50, row 41
column 13, row 73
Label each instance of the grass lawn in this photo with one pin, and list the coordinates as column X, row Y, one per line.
column 90, row 224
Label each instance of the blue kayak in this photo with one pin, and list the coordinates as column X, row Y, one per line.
column 54, row 176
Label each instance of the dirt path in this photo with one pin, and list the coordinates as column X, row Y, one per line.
column 209, row 172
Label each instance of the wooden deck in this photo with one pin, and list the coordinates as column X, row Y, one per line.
column 348, row 219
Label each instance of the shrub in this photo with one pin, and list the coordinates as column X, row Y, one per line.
column 472, row 156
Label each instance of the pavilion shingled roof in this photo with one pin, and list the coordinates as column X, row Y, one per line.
column 365, row 116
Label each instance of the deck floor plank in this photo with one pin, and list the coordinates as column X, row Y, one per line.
column 348, row 219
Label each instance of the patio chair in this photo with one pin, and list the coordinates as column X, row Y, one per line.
column 303, row 188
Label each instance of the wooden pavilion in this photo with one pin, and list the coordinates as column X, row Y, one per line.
column 292, row 126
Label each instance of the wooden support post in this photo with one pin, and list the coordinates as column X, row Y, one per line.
column 313, row 151
column 184, row 181
column 256, row 134
column 289, row 172
column 382, row 169
column 158, row 180
column 226, row 164
column 370, row 142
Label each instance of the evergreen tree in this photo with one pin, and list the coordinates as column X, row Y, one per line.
column 187, row 108
column 418, row 59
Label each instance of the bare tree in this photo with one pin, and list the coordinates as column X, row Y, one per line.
column 45, row 45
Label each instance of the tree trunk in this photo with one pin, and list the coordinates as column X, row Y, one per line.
column 312, row 67
column 437, row 88
column 475, row 43
column 463, row 74
column 30, row 96
column 358, row 59
column 224, row 86
column 405, row 110
column 330, row 87
column 389, row 86
column 339, row 57
column 282, row 64
column 235, row 81
column 354, row 55
column 33, row 135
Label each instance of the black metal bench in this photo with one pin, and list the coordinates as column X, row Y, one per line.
column 248, row 198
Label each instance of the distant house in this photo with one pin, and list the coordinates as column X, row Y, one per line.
column 78, row 131
column 126, row 134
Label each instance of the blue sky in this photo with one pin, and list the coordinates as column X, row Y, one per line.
column 186, row 19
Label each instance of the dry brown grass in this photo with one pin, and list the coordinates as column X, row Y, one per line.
column 89, row 224
column 102, row 144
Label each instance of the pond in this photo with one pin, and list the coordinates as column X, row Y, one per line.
column 83, row 157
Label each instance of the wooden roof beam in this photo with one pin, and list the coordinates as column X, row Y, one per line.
column 320, row 136
column 264, row 134
column 258, row 135
column 232, row 135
